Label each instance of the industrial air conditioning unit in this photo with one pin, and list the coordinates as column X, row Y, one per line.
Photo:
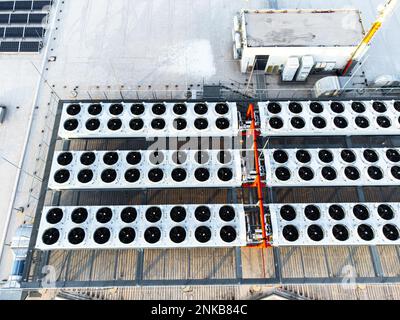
column 290, row 69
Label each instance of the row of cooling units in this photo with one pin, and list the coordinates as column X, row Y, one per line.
column 284, row 118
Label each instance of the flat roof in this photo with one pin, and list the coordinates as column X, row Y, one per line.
column 312, row 28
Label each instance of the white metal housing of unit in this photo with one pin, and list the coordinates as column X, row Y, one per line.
column 332, row 167
column 329, row 36
column 335, row 224
column 126, row 227
column 306, row 65
column 130, row 120
column 145, row 169
column 329, row 118
column 290, row 69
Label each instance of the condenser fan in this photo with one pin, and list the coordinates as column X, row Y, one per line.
column 319, row 122
column 393, row 155
column 274, row 107
column 128, row 215
column 202, row 174
column 340, row 122
column 228, row 234
column 136, row 124
column 156, row 175
column 282, row 173
column 224, row 157
column 153, row 214
column 54, row 216
column 385, row 212
column 290, row 233
column 295, row 107
column 73, row 109
column 340, row 232
column 348, row 156
column 316, row 107
column 110, row 158
column 221, row 108
column 225, row 174
column 179, row 157
column 158, row 124
column 79, row 215
column 325, row 156
column 95, row 109
column 85, row 176
column 92, row 124
column 362, row 122
column 203, row 234
column 315, row 232
column 201, row 108
column 109, row 175
column 201, row 157
column 64, row 158
column 306, row 173
column 177, row 234
column 201, row 123
column 361, row 212
column 137, row 109
column 51, row 236
column 156, row 157
column 395, row 170
column 329, row 173
column 152, row 235
column 227, row 213
column 104, row 215
column 134, row 158
column 61, row 176
column 180, row 109
column 159, row 109
column 71, row 124
column 102, row 235
column 280, row 156
column 352, row 173
column 365, row 232
column 379, row 106
column 114, row 124
column 127, row 235
column 179, row 174
column 396, row 106
column 358, row 107
column 202, row 213
column 180, row 124
column 222, row 123
column 312, row 212
column 288, row 213
column 276, row 123
column 337, row 107
column 116, row 109
column 383, row 122
column 336, row 212
column 297, row 123
column 76, row 236
column 132, row 175
column 88, row 158
column 303, row 156
column 391, row 232
column 375, row 173
column 178, row 214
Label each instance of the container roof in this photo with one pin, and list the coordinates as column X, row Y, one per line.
column 309, row 28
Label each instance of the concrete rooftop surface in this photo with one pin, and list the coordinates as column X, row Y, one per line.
column 114, row 49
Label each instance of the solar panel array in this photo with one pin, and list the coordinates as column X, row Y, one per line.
column 22, row 25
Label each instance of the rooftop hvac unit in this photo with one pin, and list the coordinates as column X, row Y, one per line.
column 290, row 69
column 327, row 87
column 162, row 226
column 335, row 224
column 306, row 65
